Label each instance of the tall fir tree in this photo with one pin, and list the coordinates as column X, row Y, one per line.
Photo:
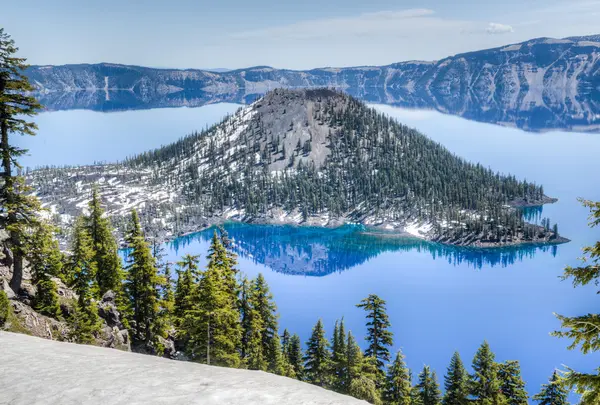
column 277, row 362
column 143, row 286
column 379, row 336
column 317, row 357
column 85, row 321
column 187, row 276
column 485, row 384
column 106, row 251
column 456, row 383
column 354, row 359
column 553, row 393
column 398, row 385
column 45, row 261
column 296, row 357
column 361, row 373
column 285, row 342
column 428, row 388
column 18, row 209
column 167, row 295
column 251, row 340
column 266, row 310
column 339, row 367
column 584, row 330
column 512, row 385
column 213, row 324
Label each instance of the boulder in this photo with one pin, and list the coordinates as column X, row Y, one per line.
column 107, row 310
column 62, row 289
column 114, row 338
column 6, row 288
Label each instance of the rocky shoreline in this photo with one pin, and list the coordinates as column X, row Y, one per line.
column 375, row 226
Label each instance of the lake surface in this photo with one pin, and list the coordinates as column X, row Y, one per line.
column 440, row 299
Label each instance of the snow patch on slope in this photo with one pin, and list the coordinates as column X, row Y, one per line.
column 39, row 371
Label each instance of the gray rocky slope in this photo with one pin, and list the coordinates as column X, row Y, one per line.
column 38, row 371
column 536, row 85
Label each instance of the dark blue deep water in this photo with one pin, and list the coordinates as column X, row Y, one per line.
column 440, row 299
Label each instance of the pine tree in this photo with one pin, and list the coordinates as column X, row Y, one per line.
column 339, row 371
column 354, row 359
column 584, row 330
column 167, row 303
column 428, row 388
column 512, row 385
column 317, row 357
column 553, row 393
column 18, row 209
column 106, row 253
column 361, row 373
column 285, row 343
column 485, row 385
column 251, row 341
column 213, row 323
column 277, row 364
column 187, row 276
column 456, row 383
column 266, row 310
column 45, row 262
column 296, row 357
column 85, row 321
column 398, row 386
column 143, row 286
column 379, row 337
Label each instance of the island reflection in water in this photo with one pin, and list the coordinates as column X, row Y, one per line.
column 315, row 251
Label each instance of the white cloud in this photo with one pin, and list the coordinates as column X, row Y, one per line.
column 363, row 25
column 495, row 28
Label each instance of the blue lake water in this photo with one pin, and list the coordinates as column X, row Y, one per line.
column 440, row 299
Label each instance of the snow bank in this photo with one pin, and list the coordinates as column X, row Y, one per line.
column 39, row 371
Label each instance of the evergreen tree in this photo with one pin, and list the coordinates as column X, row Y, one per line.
column 398, row 386
column 18, row 208
column 379, row 337
column 354, row 359
column 167, row 295
column 5, row 308
column 361, row 373
column 339, row 371
column 266, row 310
column 85, row 322
column 285, row 343
column 277, row 364
column 428, row 388
column 553, row 393
column 584, row 330
column 143, row 286
column 45, row 262
column 106, row 252
column 512, row 385
column 296, row 357
column 456, row 383
column 187, row 276
column 317, row 357
column 251, row 341
column 485, row 385
column 213, row 324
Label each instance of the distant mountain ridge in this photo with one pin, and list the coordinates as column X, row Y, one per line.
column 536, row 85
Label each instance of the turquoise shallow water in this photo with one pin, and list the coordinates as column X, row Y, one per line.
column 440, row 298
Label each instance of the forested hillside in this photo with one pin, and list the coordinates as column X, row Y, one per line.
column 315, row 157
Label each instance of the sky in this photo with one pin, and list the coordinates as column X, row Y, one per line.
column 282, row 33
